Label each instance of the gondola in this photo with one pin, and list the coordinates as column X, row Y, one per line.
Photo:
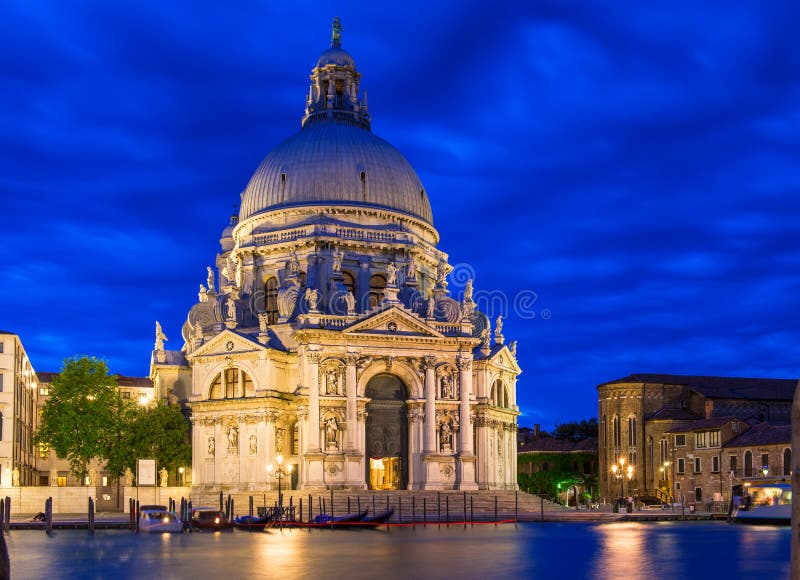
column 377, row 520
column 338, row 521
column 253, row 523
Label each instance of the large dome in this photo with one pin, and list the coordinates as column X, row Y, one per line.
column 335, row 163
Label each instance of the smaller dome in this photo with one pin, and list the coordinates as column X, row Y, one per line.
column 337, row 56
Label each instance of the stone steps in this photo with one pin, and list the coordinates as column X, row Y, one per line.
column 427, row 505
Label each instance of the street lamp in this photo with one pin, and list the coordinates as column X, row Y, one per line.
column 619, row 471
column 181, row 470
column 665, row 478
column 279, row 473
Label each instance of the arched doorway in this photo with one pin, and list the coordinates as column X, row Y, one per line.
column 387, row 433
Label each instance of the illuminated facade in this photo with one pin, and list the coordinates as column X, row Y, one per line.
column 326, row 333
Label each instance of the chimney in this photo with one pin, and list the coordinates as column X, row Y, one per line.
column 536, row 430
column 709, row 408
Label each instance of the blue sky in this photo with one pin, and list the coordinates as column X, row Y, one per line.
column 632, row 166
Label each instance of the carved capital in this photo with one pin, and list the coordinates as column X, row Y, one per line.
column 351, row 360
column 464, row 364
column 314, row 357
column 428, row 362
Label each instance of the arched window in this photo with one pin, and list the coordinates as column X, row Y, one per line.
column 787, row 461
column 232, row 383
column 271, row 300
column 545, row 466
column 748, row 464
column 1, row 425
column 349, row 282
column 499, row 394
column 616, row 431
column 377, row 285
column 631, row 431
column 663, row 451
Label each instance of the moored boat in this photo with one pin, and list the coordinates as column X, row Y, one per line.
column 210, row 519
column 327, row 520
column 157, row 519
column 253, row 523
column 769, row 504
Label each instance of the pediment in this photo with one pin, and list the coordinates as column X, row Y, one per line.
column 394, row 322
column 505, row 360
column 227, row 343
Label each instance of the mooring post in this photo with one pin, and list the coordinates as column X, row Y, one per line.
column 221, row 500
column 373, row 505
column 495, row 510
column 387, row 502
column 516, row 507
column 413, row 512
column 348, row 504
column 465, row 509
column 8, row 513
column 358, row 503
column 91, row 515
column 310, row 507
column 471, row 510
column 447, row 509
column 439, row 508
column 424, row 511
column 48, row 515
column 3, row 513
column 331, row 505
column 137, row 516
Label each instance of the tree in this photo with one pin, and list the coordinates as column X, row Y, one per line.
column 84, row 415
column 576, row 430
column 159, row 432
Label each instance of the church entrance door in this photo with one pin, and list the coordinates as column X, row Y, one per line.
column 387, row 433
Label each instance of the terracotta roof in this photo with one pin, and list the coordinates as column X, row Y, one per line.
column 665, row 414
column 763, row 434
column 122, row 381
column 553, row 445
column 722, row 387
column 701, row 424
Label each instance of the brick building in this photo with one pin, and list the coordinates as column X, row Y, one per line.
column 658, row 423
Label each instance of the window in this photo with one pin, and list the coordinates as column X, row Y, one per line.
column 748, row 464
column 697, row 465
column 377, row 285
column 631, row 431
column 787, row 461
column 44, row 390
column 349, row 282
column 733, row 464
column 226, row 385
column 680, row 440
column 1, row 378
column 677, row 486
column 663, row 451
column 681, row 465
column 713, row 438
column 765, row 461
column 735, row 426
column 698, row 494
column 545, row 466
column 1, row 346
column 700, row 441
column 62, row 481
column 296, row 439
column 1, row 425
column 617, row 435
column 271, row 300
column 715, row 464
column 126, row 395
column 587, row 468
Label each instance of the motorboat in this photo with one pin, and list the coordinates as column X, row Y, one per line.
column 157, row 519
column 210, row 519
column 767, row 504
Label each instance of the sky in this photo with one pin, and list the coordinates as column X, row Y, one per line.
column 625, row 174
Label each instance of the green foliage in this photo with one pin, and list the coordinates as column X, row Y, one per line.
column 576, row 430
column 159, row 432
column 560, row 473
column 84, row 415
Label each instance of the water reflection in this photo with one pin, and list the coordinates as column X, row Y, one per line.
column 622, row 552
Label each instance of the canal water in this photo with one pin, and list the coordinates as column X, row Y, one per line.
column 552, row 550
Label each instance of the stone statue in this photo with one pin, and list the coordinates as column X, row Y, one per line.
column 202, row 295
column 486, row 338
column 338, row 256
column 53, row 477
column 231, row 304
column 312, row 297
column 498, row 326
column 441, row 274
column 447, row 387
column 513, row 347
column 411, row 271
column 198, row 330
column 210, row 279
column 331, row 383
column 211, row 446
column 253, row 444
column 280, row 435
column 445, row 436
column 332, row 433
column 15, row 477
column 263, row 322
column 350, row 301
column 468, row 291
column 233, row 438
column 431, row 306
column 293, row 264
column 128, row 477
column 93, row 476
column 160, row 337
column 391, row 274
column 163, row 477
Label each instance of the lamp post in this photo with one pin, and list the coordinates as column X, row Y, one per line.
column 619, row 471
column 279, row 473
column 181, row 470
column 664, row 469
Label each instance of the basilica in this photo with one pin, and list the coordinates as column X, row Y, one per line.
column 325, row 333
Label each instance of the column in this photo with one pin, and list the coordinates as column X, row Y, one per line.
column 269, row 445
column 240, row 385
column 220, row 444
column 241, row 425
column 429, row 364
column 312, row 442
column 351, row 387
column 465, row 464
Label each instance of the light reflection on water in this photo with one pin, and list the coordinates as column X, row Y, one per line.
column 571, row 550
